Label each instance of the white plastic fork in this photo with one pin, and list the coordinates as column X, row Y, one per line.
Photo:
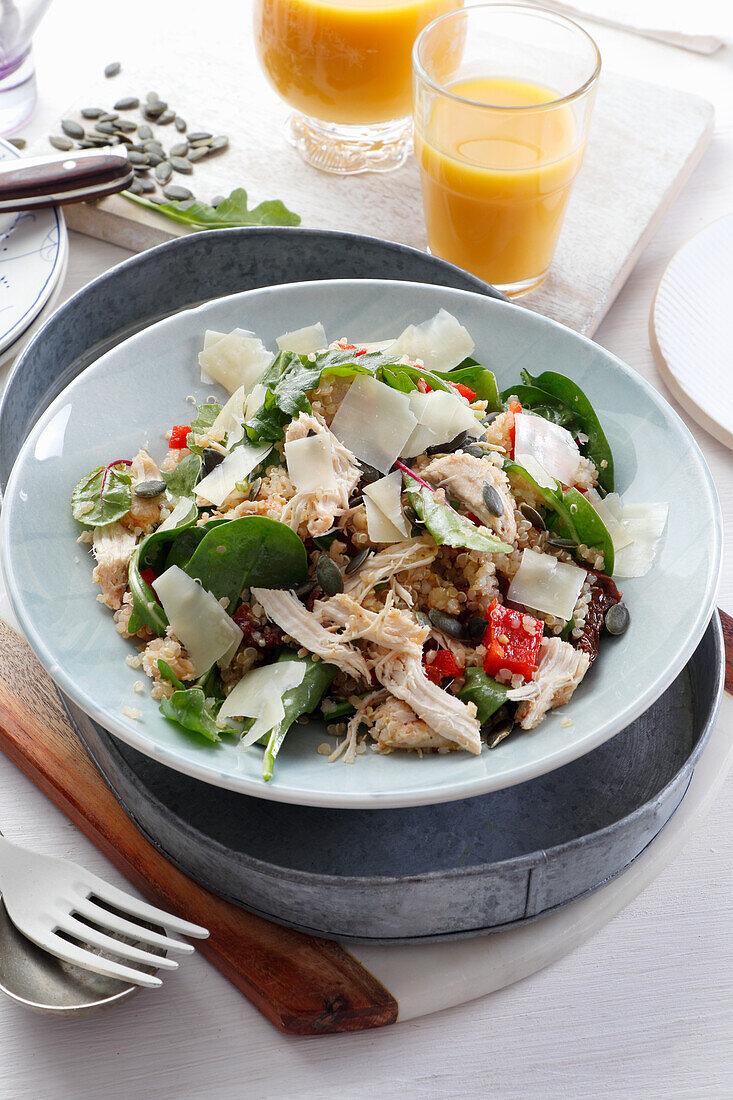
column 51, row 900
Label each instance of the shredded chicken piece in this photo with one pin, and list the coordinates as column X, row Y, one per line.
column 560, row 670
column 318, row 509
column 400, row 558
column 463, row 477
column 389, row 628
column 113, row 546
column 404, row 677
column 285, row 609
column 396, row 726
column 144, row 513
column 360, row 716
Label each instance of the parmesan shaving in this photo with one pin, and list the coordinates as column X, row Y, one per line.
column 196, row 618
column 374, row 422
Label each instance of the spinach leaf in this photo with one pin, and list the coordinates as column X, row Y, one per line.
column 299, row 700
column 186, row 542
column 481, row 381
column 448, row 527
column 188, row 708
column 181, row 480
column 576, row 519
column 103, row 496
column 146, row 611
column 588, row 527
column 544, row 405
column 248, row 552
column 483, row 690
column 231, row 212
column 205, row 417
column 168, row 674
column 597, row 448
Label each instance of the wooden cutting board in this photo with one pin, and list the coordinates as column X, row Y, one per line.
column 645, row 141
column 304, row 985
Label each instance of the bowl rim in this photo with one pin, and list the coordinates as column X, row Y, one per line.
column 603, row 731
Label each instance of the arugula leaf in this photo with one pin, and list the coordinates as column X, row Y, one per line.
column 483, row 690
column 188, row 708
column 448, row 527
column 182, row 479
column 168, row 674
column 480, row 380
column 103, row 496
column 597, row 448
column 248, row 552
column 231, row 212
column 205, row 417
column 299, row 700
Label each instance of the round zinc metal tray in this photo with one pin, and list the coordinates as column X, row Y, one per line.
column 390, row 876
column 430, row 872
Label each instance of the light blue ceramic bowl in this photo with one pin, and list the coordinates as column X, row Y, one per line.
column 131, row 396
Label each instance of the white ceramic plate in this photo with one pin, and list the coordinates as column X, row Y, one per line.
column 135, row 392
column 33, row 257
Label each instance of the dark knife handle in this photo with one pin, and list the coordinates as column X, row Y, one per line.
column 80, row 175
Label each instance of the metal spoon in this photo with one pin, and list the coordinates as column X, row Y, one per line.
column 41, row 982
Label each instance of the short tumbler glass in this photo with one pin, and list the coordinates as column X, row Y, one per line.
column 344, row 66
column 18, row 22
column 503, row 95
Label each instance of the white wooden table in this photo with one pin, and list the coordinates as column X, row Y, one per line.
column 643, row 1010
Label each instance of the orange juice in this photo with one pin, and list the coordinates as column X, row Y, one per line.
column 343, row 61
column 496, row 183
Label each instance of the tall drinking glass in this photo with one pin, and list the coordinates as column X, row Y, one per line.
column 503, row 98
column 344, row 66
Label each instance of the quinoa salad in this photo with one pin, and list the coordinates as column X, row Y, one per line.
column 371, row 535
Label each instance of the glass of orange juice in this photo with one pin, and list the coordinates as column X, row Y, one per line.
column 503, row 95
column 344, row 66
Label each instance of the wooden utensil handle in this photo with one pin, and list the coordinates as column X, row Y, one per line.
column 78, row 175
column 304, row 985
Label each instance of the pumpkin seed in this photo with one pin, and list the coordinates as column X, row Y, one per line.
column 152, row 488
column 138, row 158
column 72, row 129
column 454, row 444
column 176, row 193
column 356, row 562
column 152, row 97
column 254, row 488
column 104, row 127
column 110, row 116
column 217, row 199
column 218, row 143
column 490, row 418
column 135, row 187
column 180, row 124
column 305, row 588
column 410, row 514
column 126, row 125
column 155, row 159
column 144, row 132
column 166, row 118
column 492, row 499
column 147, row 185
column 422, row 618
column 179, row 150
column 163, row 171
column 198, row 154
column 329, row 576
column 153, row 147
column 473, row 450
column 447, row 623
column 61, row 143
column 200, row 135
column 18, row 142
column 83, row 144
column 617, row 619
column 476, row 627
column 499, row 733
column 561, row 544
column 369, row 474
column 534, row 517
column 153, row 111
column 92, row 112
column 179, row 164
column 112, row 69
column 210, row 458
column 127, row 103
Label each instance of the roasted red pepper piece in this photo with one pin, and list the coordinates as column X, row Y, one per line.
column 443, row 664
column 148, row 575
column 423, row 386
column 514, row 408
column 179, row 435
column 465, row 391
column 508, row 643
